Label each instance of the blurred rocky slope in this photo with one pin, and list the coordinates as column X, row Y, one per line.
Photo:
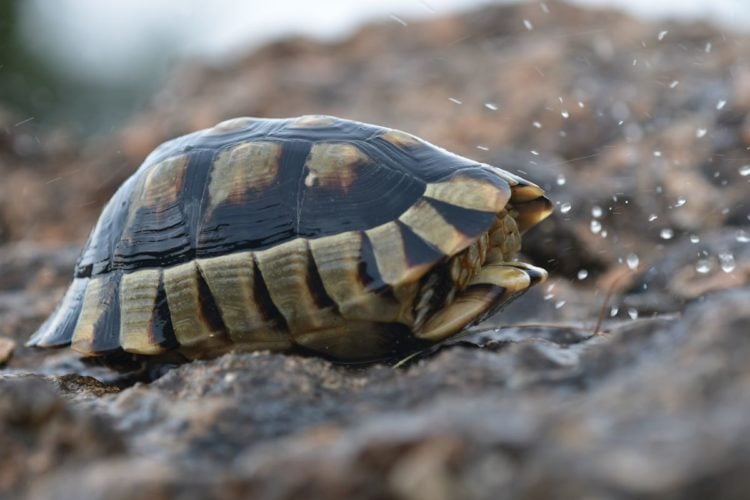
column 639, row 132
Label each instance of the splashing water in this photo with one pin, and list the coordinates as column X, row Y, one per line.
column 703, row 266
column 726, row 261
column 632, row 261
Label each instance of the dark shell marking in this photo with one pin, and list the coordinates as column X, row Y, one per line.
column 335, row 236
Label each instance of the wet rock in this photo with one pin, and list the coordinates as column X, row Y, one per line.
column 624, row 376
column 40, row 433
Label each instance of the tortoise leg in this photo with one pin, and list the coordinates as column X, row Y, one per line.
column 495, row 285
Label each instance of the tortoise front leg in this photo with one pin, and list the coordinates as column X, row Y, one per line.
column 495, row 285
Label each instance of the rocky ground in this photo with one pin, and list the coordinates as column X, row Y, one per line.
column 626, row 375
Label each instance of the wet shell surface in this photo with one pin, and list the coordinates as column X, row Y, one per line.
column 318, row 234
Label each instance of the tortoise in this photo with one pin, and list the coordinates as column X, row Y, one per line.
column 314, row 234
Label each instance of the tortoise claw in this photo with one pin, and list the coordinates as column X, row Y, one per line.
column 492, row 288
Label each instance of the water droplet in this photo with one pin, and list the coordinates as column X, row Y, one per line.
column 398, row 20
column 561, row 180
column 633, row 313
column 666, row 233
column 580, row 104
column 604, row 233
column 582, row 274
column 726, row 260
column 454, row 100
column 534, row 152
column 674, row 84
column 680, row 201
column 491, row 106
column 559, row 304
column 565, row 207
column 483, row 148
column 528, row 24
column 544, row 7
column 635, row 61
column 703, row 266
column 742, row 236
column 657, row 154
column 596, row 211
column 662, row 34
column 632, row 260
column 549, row 296
column 537, row 125
column 613, row 311
column 694, row 238
column 596, row 226
column 744, row 170
column 652, row 217
column 721, row 104
column 565, row 114
column 708, row 47
column 701, row 132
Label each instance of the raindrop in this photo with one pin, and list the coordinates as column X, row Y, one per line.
column 632, row 260
column 680, row 202
column 549, row 296
column 604, row 233
column 528, row 24
column 721, row 104
column 454, row 100
column 726, row 260
column 398, row 20
column 662, row 34
column 635, row 61
column 694, row 238
column 596, row 226
column 613, row 311
column 483, row 148
column 744, row 170
column 666, row 233
column 534, row 152
column 652, row 217
column 559, row 304
column 537, row 125
column 708, row 47
column 596, row 211
column 657, row 154
column 633, row 313
column 580, row 104
column 674, row 84
column 491, row 106
column 582, row 274
column 561, row 180
column 564, row 114
column 544, row 8
column 701, row 132
column 703, row 266
column 742, row 236
column 565, row 208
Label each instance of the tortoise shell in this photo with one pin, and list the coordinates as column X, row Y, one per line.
column 353, row 241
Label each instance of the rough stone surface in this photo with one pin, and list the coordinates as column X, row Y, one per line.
column 627, row 375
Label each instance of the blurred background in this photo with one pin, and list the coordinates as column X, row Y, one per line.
column 88, row 65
